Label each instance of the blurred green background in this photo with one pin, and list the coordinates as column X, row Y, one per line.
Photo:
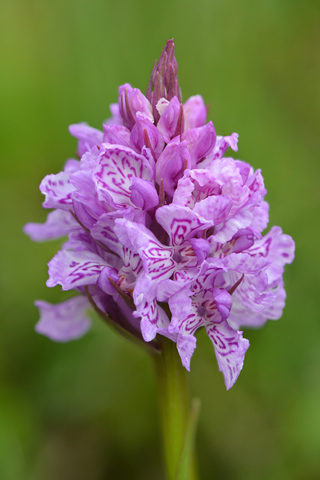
column 87, row 410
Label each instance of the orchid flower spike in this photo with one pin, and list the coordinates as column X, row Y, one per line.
column 165, row 233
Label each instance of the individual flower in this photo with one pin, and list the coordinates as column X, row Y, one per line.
column 164, row 231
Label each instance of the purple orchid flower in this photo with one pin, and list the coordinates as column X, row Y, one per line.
column 164, row 231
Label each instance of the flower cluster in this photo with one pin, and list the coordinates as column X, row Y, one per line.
column 164, row 231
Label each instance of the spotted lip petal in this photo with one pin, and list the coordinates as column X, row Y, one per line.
column 196, row 185
column 58, row 191
column 278, row 248
column 74, row 269
column 153, row 317
column 113, row 173
column 186, row 345
column 221, row 146
column 241, row 316
column 103, row 231
column 181, row 223
column 230, row 348
column 86, row 195
column 157, row 259
column 215, row 209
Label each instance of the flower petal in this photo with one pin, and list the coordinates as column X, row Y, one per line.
column 200, row 141
column 241, row 316
column 58, row 224
column 186, row 345
column 195, row 112
column 144, row 132
column 157, row 259
column 225, row 231
column 103, row 231
column 180, row 223
column 131, row 101
column 58, row 191
column 278, row 248
column 87, row 136
column 183, row 193
column 170, row 116
column 74, row 269
column 116, row 135
column 253, row 291
column 260, row 216
column 143, row 194
column 64, row 321
column 153, row 317
column 113, row 173
column 230, row 349
column 215, row 208
column 171, row 164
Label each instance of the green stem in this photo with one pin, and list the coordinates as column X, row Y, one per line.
column 176, row 413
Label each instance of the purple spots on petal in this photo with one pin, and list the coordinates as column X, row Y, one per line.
column 114, row 171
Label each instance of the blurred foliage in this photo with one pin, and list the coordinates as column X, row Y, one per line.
column 88, row 409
